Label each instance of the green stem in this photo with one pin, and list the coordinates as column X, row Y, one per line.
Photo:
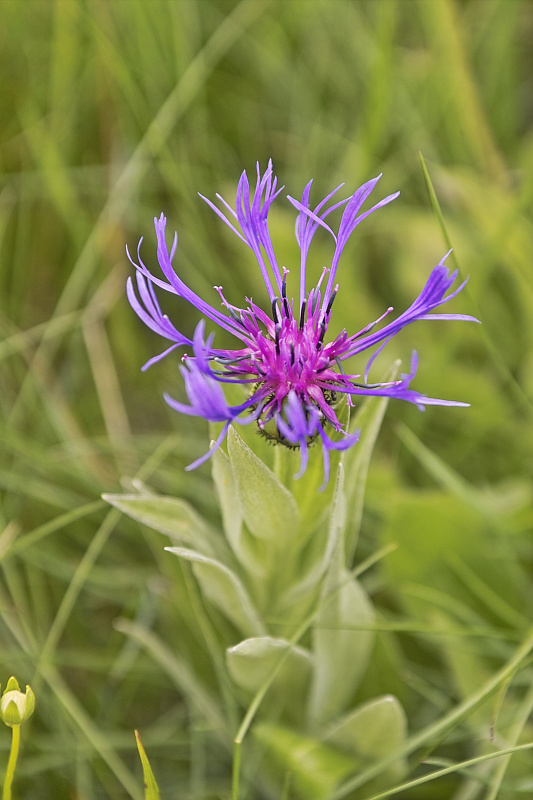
column 236, row 769
column 12, row 763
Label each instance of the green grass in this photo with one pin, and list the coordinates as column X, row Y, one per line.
column 115, row 111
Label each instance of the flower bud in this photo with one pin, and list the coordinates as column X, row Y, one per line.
column 15, row 706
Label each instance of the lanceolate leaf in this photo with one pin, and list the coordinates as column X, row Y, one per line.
column 373, row 731
column 229, row 500
column 356, row 461
column 322, row 545
column 224, row 589
column 269, row 509
column 312, row 768
column 251, row 663
column 241, row 541
column 151, row 790
column 169, row 515
column 342, row 629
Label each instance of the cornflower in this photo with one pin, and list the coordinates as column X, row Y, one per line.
column 295, row 377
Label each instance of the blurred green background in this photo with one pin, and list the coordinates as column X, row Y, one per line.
column 112, row 111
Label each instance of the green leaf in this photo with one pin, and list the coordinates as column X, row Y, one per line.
column 242, row 543
column 342, row 639
column 228, row 497
column 314, row 769
column 314, row 561
column 272, row 537
column 342, row 644
column 373, row 731
column 251, row 662
column 169, row 515
column 151, row 790
column 268, row 508
column 312, row 502
column 357, row 460
column 224, row 589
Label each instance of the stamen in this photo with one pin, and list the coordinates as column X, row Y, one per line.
column 322, row 326
column 235, row 316
column 275, row 314
column 284, row 293
column 386, row 385
column 339, row 365
column 332, row 298
column 370, row 326
column 291, row 346
column 235, row 360
column 324, row 270
column 302, row 313
column 277, row 332
column 233, row 310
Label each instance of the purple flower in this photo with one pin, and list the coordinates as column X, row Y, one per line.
column 295, row 378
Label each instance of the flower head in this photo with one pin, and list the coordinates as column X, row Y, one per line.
column 294, row 374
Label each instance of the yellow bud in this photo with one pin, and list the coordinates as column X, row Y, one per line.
column 16, row 706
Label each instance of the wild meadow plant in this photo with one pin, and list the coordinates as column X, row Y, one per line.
column 290, row 632
column 112, row 114
column 15, row 708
